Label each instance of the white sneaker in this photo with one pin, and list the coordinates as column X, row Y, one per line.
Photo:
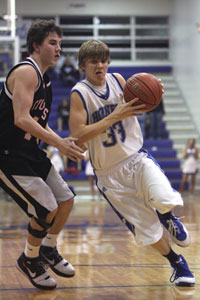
column 56, row 262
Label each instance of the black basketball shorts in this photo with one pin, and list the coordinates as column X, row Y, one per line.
column 33, row 183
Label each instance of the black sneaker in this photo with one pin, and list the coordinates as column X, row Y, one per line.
column 56, row 262
column 33, row 268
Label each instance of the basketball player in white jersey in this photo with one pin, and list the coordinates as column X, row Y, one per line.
column 127, row 175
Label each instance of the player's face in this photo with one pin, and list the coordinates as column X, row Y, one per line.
column 50, row 49
column 96, row 70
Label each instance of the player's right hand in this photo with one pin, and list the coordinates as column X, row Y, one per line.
column 128, row 109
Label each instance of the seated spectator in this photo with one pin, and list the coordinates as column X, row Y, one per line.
column 63, row 115
column 58, row 66
column 3, row 68
column 142, row 121
column 154, row 122
column 79, row 75
column 68, row 72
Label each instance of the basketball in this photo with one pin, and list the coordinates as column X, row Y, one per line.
column 146, row 87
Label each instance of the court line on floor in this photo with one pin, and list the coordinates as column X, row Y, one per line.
column 68, row 226
column 163, row 266
column 101, row 287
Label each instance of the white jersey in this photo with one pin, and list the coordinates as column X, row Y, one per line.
column 129, row 179
column 122, row 139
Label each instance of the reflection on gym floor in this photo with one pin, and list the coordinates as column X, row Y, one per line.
column 108, row 263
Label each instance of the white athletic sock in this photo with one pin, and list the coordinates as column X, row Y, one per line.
column 31, row 251
column 50, row 240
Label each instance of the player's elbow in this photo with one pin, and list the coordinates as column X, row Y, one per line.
column 19, row 122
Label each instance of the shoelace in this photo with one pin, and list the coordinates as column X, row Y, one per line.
column 174, row 275
column 56, row 255
column 41, row 267
column 44, row 266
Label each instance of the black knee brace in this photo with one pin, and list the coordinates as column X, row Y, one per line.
column 40, row 233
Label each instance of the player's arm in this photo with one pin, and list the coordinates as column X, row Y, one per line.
column 78, row 118
column 121, row 79
column 23, row 84
column 68, row 143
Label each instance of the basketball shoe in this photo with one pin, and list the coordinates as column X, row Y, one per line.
column 34, row 269
column 182, row 276
column 179, row 234
column 56, row 262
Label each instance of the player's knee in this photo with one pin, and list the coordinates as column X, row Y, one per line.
column 51, row 215
column 164, row 201
column 39, row 227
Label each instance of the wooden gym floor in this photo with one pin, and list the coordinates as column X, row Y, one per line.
column 109, row 265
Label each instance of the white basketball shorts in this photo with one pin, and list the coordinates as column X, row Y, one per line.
column 136, row 188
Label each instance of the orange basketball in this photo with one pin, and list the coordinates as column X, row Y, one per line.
column 146, row 87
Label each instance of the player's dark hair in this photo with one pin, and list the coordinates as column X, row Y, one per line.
column 93, row 49
column 39, row 30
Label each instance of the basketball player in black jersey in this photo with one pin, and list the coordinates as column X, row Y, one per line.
column 26, row 173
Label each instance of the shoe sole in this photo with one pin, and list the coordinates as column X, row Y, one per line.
column 183, row 284
column 61, row 274
column 33, row 283
column 184, row 243
column 188, row 282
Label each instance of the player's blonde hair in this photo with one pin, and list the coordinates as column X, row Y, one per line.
column 94, row 49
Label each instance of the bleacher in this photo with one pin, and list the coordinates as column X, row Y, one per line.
column 128, row 71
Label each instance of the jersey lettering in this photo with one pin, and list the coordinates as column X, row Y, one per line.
column 39, row 104
column 112, row 132
column 45, row 113
column 115, row 129
column 102, row 112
